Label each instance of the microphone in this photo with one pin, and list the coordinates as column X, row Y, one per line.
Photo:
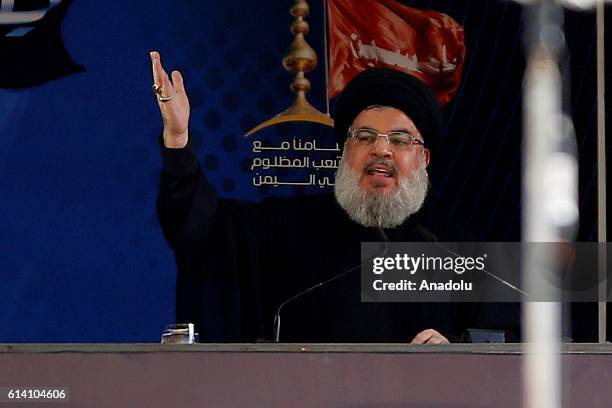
column 277, row 321
column 431, row 237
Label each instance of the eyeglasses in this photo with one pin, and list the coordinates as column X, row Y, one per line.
column 397, row 139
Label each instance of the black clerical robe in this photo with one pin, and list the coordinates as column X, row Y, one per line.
column 238, row 261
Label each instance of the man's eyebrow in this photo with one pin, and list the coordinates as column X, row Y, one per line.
column 363, row 127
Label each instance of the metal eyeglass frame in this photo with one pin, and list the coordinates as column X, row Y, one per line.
column 413, row 139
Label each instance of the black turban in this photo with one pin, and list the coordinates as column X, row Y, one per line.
column 388, row 87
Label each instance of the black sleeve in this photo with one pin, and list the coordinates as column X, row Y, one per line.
column 223, row 252
column 186, row 202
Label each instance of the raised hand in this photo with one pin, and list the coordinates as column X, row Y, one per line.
column 173, row 103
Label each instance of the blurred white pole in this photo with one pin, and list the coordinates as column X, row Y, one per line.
column 549, row 200
column 541, row 320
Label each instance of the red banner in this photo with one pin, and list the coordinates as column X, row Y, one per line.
column 385, row 33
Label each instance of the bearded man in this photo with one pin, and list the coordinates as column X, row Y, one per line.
column 239, row 261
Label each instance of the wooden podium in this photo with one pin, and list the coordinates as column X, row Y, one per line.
column 294, row 375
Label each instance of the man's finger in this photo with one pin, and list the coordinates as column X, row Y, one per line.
column 437, row 339
column 167, row 88
column 156, row 66
column 429, row 336
column 422, row 337
column 177, row 81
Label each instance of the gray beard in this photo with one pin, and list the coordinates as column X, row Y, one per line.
column 380, row 210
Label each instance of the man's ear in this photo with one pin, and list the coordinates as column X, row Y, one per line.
column 426, row 157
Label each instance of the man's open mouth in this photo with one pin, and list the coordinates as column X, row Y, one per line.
column 378, row 170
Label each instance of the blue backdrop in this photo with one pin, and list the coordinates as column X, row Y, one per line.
column 82, row 257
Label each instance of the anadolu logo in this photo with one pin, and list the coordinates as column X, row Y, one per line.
column 31, row 48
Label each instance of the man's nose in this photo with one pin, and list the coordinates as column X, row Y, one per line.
column 381, row 147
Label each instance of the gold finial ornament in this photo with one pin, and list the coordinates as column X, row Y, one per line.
column 299, row 59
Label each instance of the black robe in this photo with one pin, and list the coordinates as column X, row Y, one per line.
column 238, row 261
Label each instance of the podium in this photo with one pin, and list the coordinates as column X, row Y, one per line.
column 294, row 375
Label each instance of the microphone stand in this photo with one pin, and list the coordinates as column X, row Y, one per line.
column 277, row 320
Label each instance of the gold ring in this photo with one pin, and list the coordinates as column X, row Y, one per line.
column 157, row 90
